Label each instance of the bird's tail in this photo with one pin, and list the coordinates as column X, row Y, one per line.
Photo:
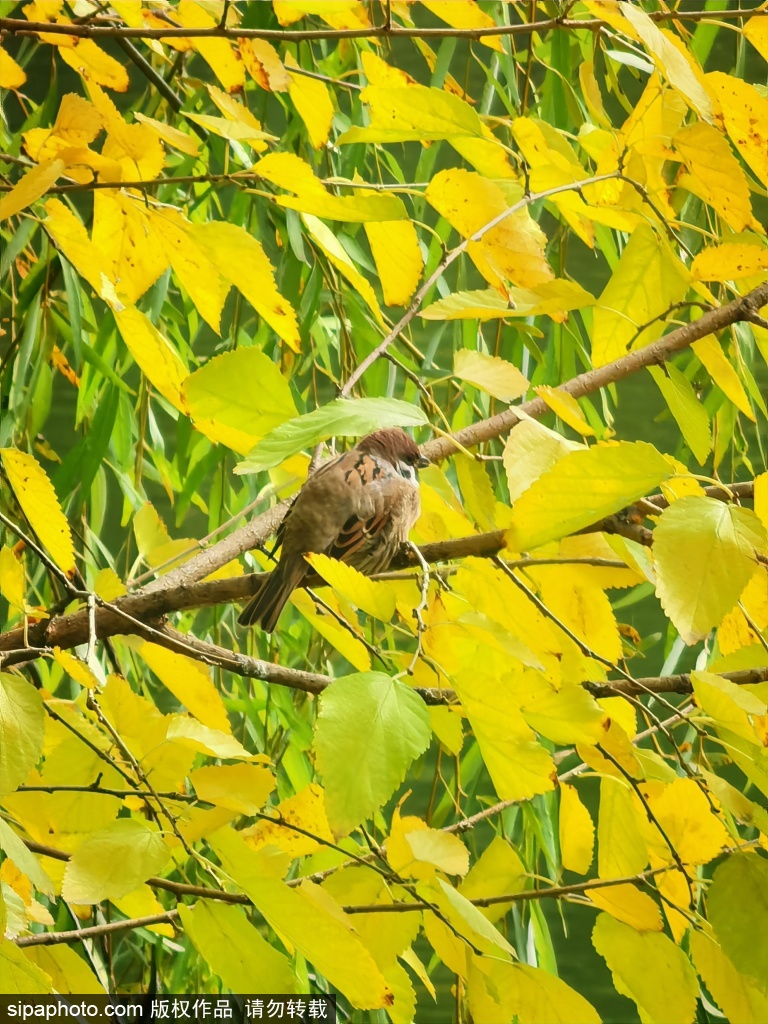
column 266, row 606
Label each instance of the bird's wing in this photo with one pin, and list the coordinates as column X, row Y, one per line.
column 344, row 506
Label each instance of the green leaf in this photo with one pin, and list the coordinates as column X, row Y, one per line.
column 737, row 902
column 21, row 730
column 689, row 413
column 114, row 861
column 584, row 487
column 341, row 418
column 704, row 551
column 225, row 410
column 369, row 730
column 650, row 969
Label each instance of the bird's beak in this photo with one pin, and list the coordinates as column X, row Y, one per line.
column 423, row 462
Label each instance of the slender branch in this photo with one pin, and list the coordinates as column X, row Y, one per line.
column 450, row 257
column 80, row 934
column 17, row 26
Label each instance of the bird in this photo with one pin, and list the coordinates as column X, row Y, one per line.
column 358, row 508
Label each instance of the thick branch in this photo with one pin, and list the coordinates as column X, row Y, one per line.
column 671, row 684
column 586, row 383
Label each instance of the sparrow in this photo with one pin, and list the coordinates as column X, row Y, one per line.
column 358, row 508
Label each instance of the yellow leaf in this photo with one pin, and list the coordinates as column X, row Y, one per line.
column 30, row 187
column 704, row 552
column 179, row 140
column 190, row 682
column 90, row 61
column 217, row 53
column 729, row 261
column 108, row 585
column 188, row 732
column 68, row 971
column 339, row 14
column 500, row 992
column 76, row 669
column 114, row 861
column 226, row 412
column 491, row 374
column 313, row 102
column 237, row 131
column 745, row 113
column 77, row 123
column 128, row 253
column 239, row 787
column 144, row 729
column 397, row 255
column 598, row 545
column 325, row 239
column 402, row 112
column 621, row 848
column 18, row 975
column 12, row 75
column 672, row 60
column 71, row 237
column 306, row 810
column 566, row 408
column 734, row 993
column 447, row 726
column 531, row 449
column 477, row 490
column 756, row 31
column 590, row 90
column 648, row 968
column 721, row 371
column 647, row 282
column 518, row 765
column 316, row 927
column 240, row 258
column 626, row 903
column 683, row 810
column 465, row 918
column 715, row 174
column 511, row 251
column 12, row 580
column 345, row 642
column 415, row 850
column 497, row 870
column 154, row 354
column 263, row 64
column 141, row 903
column 577, row 833
column 465, row 15
column 621, row 712
column 375, row 599
column 34, row 492
column 135, row 147
column 204, row 280
column 311, row 196
column 568, row 715
column 236, row 950
column 582, row 488
column 676, row 902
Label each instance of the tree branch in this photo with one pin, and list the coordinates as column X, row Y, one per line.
column 592, row 380
column 91, row 30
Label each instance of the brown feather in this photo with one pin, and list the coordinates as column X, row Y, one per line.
column 357, row 508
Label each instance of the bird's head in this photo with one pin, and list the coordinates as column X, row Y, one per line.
column 397, row 447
